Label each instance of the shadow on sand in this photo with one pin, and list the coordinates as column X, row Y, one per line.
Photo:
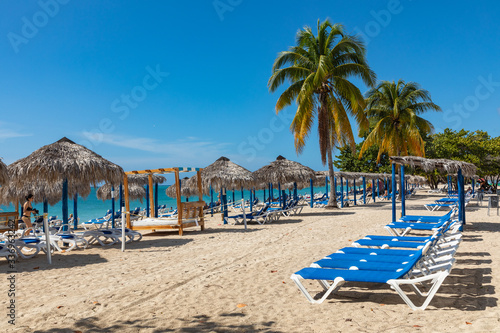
column 199, row 323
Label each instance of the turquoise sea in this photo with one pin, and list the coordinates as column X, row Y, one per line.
column 91, row 207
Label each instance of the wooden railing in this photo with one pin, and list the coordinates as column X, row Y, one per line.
column 5, row 217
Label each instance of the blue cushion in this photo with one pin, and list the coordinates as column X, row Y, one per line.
column 349, row 275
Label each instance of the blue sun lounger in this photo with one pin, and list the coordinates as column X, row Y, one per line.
column 394, row 227
column 427, row 218
column 261, row 216
column 394, row 278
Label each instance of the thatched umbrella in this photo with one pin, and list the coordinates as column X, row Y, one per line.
column 142, row 179
column 62, row 160
column 61, row 163
column 282, row 171
column 136, row 192
column 186, row 188
column 449, row 166
column 225, row 174
column 42, row 192
column 4, row 174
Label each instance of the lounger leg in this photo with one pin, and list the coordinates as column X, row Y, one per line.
column 337, row 283
column 19, row 249
column 436, row 280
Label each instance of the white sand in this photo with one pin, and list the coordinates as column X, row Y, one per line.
column 195, row 282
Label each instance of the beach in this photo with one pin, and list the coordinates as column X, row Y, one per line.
column 226, row 279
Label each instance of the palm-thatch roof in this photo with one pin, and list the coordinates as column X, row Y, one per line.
column 12, row 193
column 143, row 180
column 416, row 179
column 4, row 174
column 343, row 174
column 65, row 159
column 189, row 188
column 135, row 192
column 283, row 171
column 224, row 173
column 426, row 164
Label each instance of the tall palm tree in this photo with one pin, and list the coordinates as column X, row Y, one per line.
column 394, row 110
column 318, row 69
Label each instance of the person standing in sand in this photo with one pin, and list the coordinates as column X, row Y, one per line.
column 27, row 210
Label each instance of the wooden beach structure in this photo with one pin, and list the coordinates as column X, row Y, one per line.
column 189, row 214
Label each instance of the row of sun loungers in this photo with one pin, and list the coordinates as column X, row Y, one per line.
column 29, row 242
column 397, row 259
column 448, row 202
column 268, row 213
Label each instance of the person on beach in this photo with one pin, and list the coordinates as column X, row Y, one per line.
column 27, row 210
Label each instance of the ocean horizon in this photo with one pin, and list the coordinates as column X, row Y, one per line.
column 91, row 207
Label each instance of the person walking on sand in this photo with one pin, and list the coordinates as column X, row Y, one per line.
column 27, row 210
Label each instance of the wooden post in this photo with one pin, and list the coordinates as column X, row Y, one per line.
column 151, row 196
column 156, row 200
column 127, row 202
column 200, row 198
column 148, row 206
column 179, row 203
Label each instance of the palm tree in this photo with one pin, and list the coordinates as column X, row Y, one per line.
column 318, row 69
column 394, row 110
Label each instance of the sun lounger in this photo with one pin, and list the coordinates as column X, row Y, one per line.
column 393, row 228
column 427, row 265
column 429, row 219
column 261, row 216
column 394, row 278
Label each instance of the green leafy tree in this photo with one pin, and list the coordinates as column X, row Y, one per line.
column 318, row 70
column 474, row 147
column 348, row 160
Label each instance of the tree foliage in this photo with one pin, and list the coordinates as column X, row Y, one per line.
column 319, row 69
column 394, row 110
column 475, row 147
column 347, row 160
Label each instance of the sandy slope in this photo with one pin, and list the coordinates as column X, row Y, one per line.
column 195, row 282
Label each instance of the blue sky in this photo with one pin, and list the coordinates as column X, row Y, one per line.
column 180, row 83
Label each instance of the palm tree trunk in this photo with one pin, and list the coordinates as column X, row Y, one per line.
column 332, row 201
